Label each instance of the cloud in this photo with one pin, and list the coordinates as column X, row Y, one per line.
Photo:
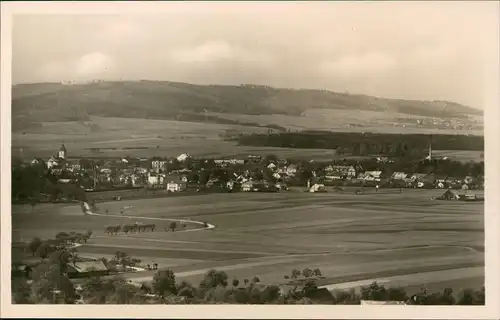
column 215, row 51
column 89, row 66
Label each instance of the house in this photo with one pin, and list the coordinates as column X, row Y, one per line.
column 52, row 162
column 263, row 186
column 156, row 179
column 384, row 160
column 281, row 186
column 418, row 177
column 183, row 157
column 469, row 180
column 342, row 171
column 471, row 197
column 317, row 187
column 159, row 166
column 277, row 176
column 176, row 186
column 230, row 185
column 370, row 176
column 271, row 166
column 247, row 186
column 453, row 180
column 75, row 167
column 291, row 170
column 241, row 178
column 399, row 176
column 79, row 269
column 226, row 162
column 448, row 195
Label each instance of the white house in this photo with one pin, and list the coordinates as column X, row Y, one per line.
column 176, row 186
column 153, row 179
column 341, row 171
column 52, row 162
column 247, row 186
column 158, row 165
column 399, row 175
column 371, row 176
column 317, row 188
column 291, row 170
column 271, row 166
column 183, row 157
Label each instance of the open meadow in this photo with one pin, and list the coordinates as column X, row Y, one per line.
column 385, row 235
column 119, row 137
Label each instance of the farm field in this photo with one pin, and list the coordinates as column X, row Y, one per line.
column 347, row 120
column 119, row 137
column 349, row 237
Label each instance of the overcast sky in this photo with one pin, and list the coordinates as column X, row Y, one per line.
column 424, row 50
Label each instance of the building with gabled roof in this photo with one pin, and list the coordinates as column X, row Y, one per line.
column 80, row 269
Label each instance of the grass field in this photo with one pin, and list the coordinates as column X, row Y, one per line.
column 349, row 237
column 146, row 137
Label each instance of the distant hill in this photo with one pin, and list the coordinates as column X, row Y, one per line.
column 32, row 103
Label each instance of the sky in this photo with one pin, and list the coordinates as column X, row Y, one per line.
column 412, row 50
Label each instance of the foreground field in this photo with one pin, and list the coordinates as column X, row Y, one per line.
column 118, row 137
column 349, row 237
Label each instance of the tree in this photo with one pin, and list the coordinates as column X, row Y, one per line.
column 307, row 273
column 235, row 283
column 44, row 250
column 50, row 284
column 34, row 245
column 245, row 281
column 270, row 158
column 270, row 294
column 255, row 280
column 173, row 226
column 374, row 292
column 164, row 282
column 214, row 279
column 295, row 273
column 124, row 293
column 185, row 289
column 472, row 297
column 21, row 291
column 317, row 272
column 310, row 286
column 348, row 297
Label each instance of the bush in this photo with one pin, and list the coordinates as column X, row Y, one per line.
column 164, row 282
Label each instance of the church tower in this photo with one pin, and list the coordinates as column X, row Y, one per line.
column 429, row 157
column 62, row 152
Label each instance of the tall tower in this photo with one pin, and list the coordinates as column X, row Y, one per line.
column 429, row 157
column 62, row 152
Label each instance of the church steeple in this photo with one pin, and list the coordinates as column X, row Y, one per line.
column 429, row 157
column 62, row 152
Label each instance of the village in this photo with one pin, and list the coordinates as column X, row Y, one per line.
column 254, row 173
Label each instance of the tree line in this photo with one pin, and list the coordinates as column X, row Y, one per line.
column 363, row 144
